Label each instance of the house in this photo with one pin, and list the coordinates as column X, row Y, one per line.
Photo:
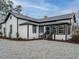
column 20, row 26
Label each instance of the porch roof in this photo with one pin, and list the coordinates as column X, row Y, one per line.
column 46, row 24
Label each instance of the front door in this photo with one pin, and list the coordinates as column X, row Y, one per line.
column 48, row 31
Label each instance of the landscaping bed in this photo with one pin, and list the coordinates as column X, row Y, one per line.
column 18, row 39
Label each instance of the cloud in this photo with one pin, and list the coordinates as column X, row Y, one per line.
column 72, row 7
column 40, row 8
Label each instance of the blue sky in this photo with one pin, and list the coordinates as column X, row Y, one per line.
column 41, row 8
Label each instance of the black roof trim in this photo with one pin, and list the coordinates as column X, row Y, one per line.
column 55, row 20
column 74, row 17
column 6, row 18
column 28, row 20
column 18, row 18
column 47, row 24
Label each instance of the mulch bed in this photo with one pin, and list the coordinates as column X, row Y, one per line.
column 20, row 39
column 67, row 41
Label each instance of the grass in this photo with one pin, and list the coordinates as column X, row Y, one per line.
column 41, row 49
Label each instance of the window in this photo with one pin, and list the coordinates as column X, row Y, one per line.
column 10, row 29
column 0, row 26
column 68, row 29
column 61, row 29
column 10, row 17
column 41, row 29
column 55, row 29
column 34, row 28
column 47, row 29
column 4, row 31
column 10, row 32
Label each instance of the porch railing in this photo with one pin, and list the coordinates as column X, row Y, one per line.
column 47, row 36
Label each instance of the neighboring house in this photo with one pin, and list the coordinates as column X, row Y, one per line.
column 57, row 27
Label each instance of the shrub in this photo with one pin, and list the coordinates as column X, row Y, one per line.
column 1, row 33
column 75, row 38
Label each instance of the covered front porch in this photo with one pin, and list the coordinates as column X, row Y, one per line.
column 60, row 31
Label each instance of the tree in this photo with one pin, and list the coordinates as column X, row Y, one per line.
column 2, row 6
column 7, row 6
column 18, row 8
column 10, row 5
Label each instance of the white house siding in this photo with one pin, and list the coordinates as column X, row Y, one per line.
column 33, row 35
column 3, row 26
column 20, row 21
column 23, row 31
column 72, row 25
column 12, row 21
column 61, row 37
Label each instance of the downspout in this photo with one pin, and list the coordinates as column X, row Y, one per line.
column 38, row 31
column 17, row 29
column 1, row 30
column 66, row 31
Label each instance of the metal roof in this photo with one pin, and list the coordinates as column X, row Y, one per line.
column 65, row 16
column 48, row 19
column 21, row 16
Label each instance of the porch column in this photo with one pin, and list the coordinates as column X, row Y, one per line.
column 17, row 29
column 51, row 29
column 51, row 32
column 38, row 31
column 44, row 29
column 27, row 31
column 66, row 31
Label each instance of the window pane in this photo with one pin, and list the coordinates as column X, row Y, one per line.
column 34, row 28
column 61, row 29
column 0, row 26
column 10, row 28
column 68, row 29
column 41, row 29
column 54, row 29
